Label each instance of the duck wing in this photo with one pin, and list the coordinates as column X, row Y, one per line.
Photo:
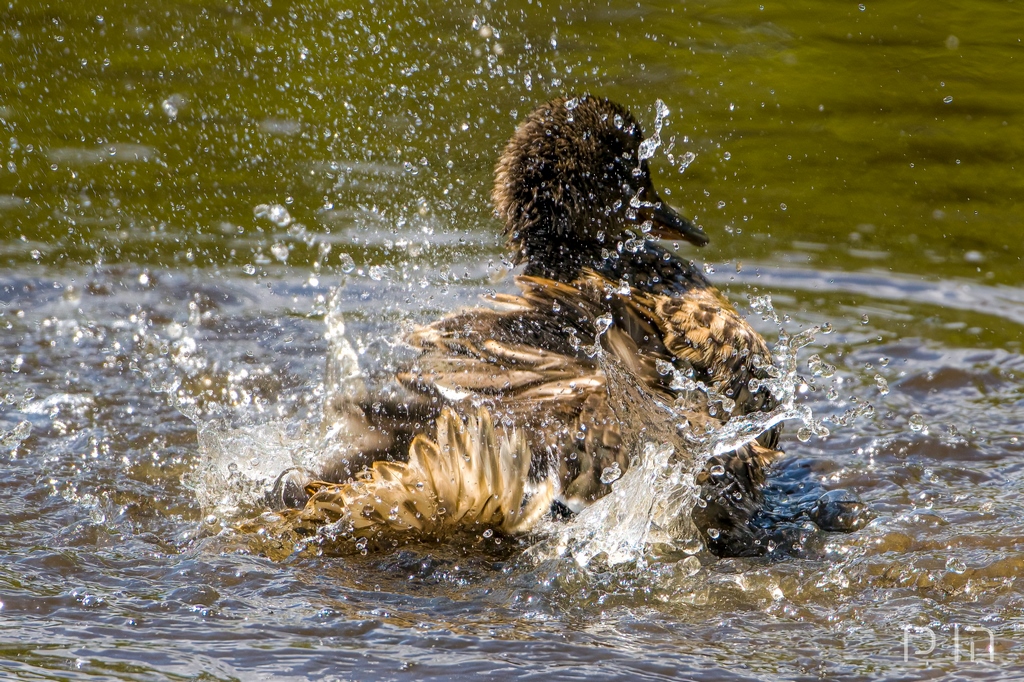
column 528, row 361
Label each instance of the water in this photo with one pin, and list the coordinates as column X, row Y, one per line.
column 182, row 186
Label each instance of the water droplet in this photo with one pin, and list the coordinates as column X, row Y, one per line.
column 249, row 269
column 709, row 269
column 488, row 533
column 948, row 99
column 346, row 263
column 916, row 422
column 804, row 434
column 819, row 367
column 280, row 252
column 831, row 393
column 172, row 105
column 603, row 323
column 717, row 470
column 713, row 533
column 662, row 367
column 955, row 565
column 275, row 213
column 685, row 160
column 611, row 474
column 883, row 385
column 864, row 318
column 16, row 435
column 376, row 273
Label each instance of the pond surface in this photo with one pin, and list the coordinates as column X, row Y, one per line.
column 183, row 185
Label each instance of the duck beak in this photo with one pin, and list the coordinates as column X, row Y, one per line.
column 670, row 225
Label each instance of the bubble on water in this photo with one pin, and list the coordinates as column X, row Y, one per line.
column 611, row 474
column 249, row 269
column 803, row 434
column 488, row 533
column 713, row 533
column 717, row 470
column 916, row 422
column 882, row 384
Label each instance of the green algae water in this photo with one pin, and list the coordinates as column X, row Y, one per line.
column 184, row 184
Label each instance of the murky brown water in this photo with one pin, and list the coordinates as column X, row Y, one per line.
column 859, row 163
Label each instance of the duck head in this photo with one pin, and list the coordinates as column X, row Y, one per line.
column 571, row 183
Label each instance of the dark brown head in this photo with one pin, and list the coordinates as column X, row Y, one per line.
column 571, row 182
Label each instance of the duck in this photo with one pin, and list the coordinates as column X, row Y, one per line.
column 506, row 414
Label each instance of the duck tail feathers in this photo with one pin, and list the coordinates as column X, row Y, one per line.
column 471, row 477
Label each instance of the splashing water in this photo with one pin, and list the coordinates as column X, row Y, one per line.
column 668, row 444
column 649, row 146
column 240, row 465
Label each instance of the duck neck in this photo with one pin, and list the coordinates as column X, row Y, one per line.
column 651, row 268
